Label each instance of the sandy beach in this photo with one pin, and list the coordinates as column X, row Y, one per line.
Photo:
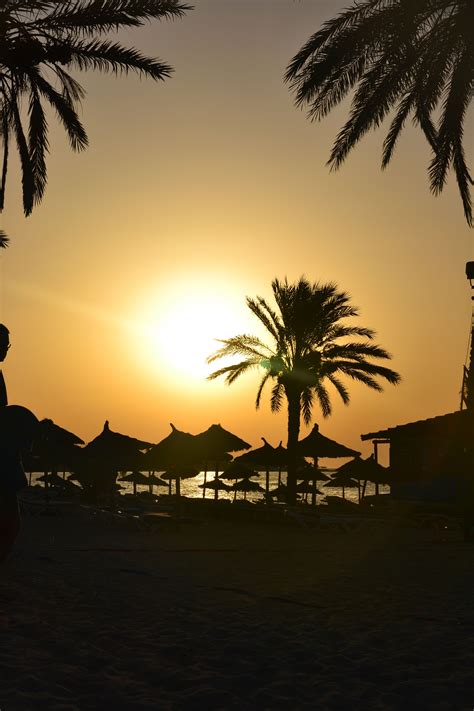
column 235, row 616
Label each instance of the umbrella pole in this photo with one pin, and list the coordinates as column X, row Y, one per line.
column 204, row 486
column 216, row 490
column 267, row 486
column 178, row 497
column 343, row 493
column 279, row 476
column 316, row 469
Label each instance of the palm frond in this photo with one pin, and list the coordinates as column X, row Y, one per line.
column 241, row 345
column 266, row 316
column 234, row 371
column 353, row 369
column 65, row 111
column 407, row 55
column 38, row 144
column 72, row 90
column 307, row 401
column 106, row 15
column 450, row 133
column 106, row 56
column 6, row 139
column 355, row 351
column 323, row 399
column 276, row 400
column 261, row 387
column 340, row 387
column 27, row 178
column 4, row 240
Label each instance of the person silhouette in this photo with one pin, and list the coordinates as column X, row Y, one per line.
column 17, row 427
column 4, row 348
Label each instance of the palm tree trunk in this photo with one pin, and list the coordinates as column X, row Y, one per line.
column 294, row 408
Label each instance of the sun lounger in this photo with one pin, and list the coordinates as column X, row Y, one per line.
column 31, row 507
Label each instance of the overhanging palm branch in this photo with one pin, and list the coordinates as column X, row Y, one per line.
column 415, row 57
column 40, row 41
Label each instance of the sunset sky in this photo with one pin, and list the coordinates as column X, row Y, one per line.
column 199, row 191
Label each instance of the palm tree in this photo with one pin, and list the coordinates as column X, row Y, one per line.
column 40, row 42
column 413, row 56
column 309, row 350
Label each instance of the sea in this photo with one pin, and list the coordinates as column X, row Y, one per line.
column 191, row 487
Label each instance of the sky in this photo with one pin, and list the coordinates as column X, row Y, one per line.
column 199, row 191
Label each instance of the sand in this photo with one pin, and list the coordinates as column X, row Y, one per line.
column 235, row 616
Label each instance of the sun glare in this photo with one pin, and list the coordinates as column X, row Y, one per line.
column 183, row 327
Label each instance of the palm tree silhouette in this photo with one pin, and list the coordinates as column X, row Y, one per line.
column 414, row 56
column 40, row 41
column 309, row 350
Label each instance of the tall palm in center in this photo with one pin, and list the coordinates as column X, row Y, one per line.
column 310, row 348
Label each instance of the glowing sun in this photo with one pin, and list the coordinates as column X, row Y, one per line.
column 182, row 331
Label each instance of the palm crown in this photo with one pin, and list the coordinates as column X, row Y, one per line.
column 414, row 56
column 307, row 352
column 40, row 41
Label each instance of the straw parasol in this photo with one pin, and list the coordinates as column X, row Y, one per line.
column 177, row 473
column 214, row 445
column 107, row 454
column 279, row 492
column 238, row 470
column 118, row 449
column 306, row 487
column 176, row 449
column 316, row 445
column 343, row 481
column 53, row 448
column 266, row 458
column 216, row 484
column 153, row 480
column 137, row 479
column 367, row 470
column 246, row 485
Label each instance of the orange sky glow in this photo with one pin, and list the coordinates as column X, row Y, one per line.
column 199, row 191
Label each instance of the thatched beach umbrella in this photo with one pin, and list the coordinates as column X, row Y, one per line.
column 316, row 445
column 54, row 448
column 366, row 470
column 238, row 470
column 343, row 481
column 137, row 479
column 177, row 473
column 214, row 445
column 177, row 449
column 216, row 484
column 306, row 487
column 246, row 485
column 266, row 458
column 310, row 475
column 153, row 480
column 107, row 454
column 118, row 449
column 279, row 492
